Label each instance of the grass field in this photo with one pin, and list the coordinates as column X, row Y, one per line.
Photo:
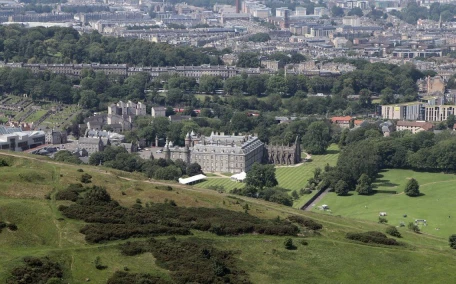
column 435, row 206
column 329, row 257
column 293, row 178
column 36, row 115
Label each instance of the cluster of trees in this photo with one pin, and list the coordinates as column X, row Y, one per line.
column 413, row 12
column 66, row 45
column 261, row 183
column 365, row 152
column 117, row 157
column 259, row 37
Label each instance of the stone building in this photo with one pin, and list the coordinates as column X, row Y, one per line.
column 93, row 145
column 56, row 137
column 158, row 111
column 218, row 152
column 284, row 155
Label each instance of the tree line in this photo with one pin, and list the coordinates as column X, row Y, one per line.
column 66, row 45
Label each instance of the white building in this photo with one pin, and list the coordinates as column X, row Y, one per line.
column 353, row 21
column 14, row 139
column 300, row 11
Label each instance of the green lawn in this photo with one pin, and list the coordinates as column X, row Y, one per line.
column 435, row 206
column 36, row 115
column 227, row 183
column 293, row 178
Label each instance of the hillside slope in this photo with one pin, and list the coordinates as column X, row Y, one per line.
column 27, row 198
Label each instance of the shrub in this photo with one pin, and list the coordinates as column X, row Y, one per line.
column 110, row 221
column 452, row 240
column 36, row 270
column 80, row 170
column 186, row 258
column 3, row 163
column 393, row 231
column 413, row 227
column 303, row 191
column 288, row 243
column 86, row 178
column 12, row 226
column 372, row 237
column 98, row 264
column 304, row 242
column 382, row 220
column 306, row 222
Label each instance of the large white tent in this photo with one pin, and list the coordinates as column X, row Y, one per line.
column 192, row 179
column 239, row 177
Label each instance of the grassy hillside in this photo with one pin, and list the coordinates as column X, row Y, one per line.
column 436, row 206
column 328, row 258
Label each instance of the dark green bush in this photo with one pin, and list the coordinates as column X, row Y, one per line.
column 392, row 231
column 190, row 261
column 86, row 178
column 35, row 270
column 12, row 226
column 110, row 221
column 306, row 222
column 372, row 237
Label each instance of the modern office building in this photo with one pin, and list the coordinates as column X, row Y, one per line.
column 14, row 139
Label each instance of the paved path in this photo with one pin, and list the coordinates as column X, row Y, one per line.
column 311, row 205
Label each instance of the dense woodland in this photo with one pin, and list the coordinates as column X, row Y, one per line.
column 66, row 45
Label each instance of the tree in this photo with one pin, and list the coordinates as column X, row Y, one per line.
column 317, row 138
column 356, row 12
column 393, row 231
column 412, row 188
column 295, row 195
column 413, row 227
column 259, row 37
column 337, row 11
column 288, row 243
column 452, row 241
column 341, row 188
column 209, row 84
column 248, row 60
column 364, row 185
column 261, row 176
column 194, row 169
column 234, row 85
column 277, row 85
column 451, row 120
